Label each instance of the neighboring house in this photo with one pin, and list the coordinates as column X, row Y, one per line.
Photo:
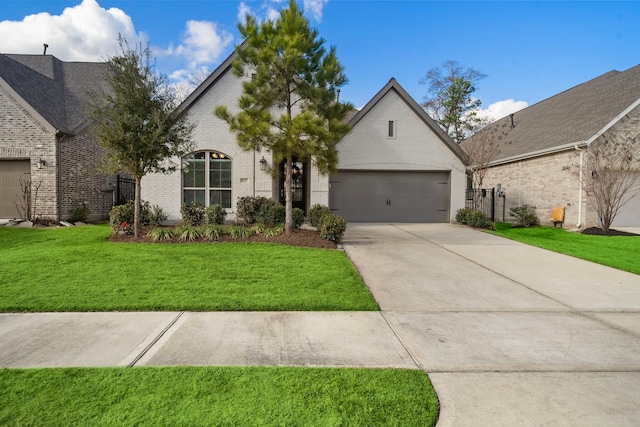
column 543, row 143
column 396, row 165
column 45, row 140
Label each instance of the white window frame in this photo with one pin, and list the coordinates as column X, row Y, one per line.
column 207, row 177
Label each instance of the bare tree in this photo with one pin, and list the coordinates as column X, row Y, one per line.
column 481, row 149
column 611, row 172
column 27, row 201
column 451, row 103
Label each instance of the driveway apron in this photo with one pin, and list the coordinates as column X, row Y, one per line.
column 508, row 333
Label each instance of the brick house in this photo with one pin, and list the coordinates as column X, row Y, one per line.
column 541, row 143
column 45, row 139
column 396, row 165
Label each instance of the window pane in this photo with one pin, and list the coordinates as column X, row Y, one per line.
column 193, row 196
column 225, row 179
column 193, row 172
column 220, row 197
column 220, row 173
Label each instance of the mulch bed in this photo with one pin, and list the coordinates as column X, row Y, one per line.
column 299, row 237
column 596, row 231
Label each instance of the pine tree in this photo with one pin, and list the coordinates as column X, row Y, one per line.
column 289, row 105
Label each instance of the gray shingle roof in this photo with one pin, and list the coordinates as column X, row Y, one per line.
column 55, row 89
column 570, row 117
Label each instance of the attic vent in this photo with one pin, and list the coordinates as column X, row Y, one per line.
column 512, row 122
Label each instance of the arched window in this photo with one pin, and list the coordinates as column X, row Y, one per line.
column 206, row 179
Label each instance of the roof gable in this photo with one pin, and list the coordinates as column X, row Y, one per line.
column 394, row 86
column 54, row 89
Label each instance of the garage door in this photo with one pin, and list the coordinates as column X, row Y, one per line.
column 12, row 173
column 629, row 214
column 376, row 196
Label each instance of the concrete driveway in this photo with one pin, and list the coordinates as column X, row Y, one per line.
column 509, row 334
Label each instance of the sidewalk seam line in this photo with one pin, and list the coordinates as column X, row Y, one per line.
column 155, row 340
column 404, row 345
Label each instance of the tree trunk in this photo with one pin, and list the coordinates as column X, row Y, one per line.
column 137, row 204
column 288, row 200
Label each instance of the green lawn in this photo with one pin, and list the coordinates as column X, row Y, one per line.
column 618, row 252
column 77, row 269
column 216, row 396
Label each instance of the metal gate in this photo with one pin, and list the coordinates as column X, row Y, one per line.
column 125, row 190
column 482, row 199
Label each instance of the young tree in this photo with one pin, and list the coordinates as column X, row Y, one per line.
column 481, row 149
column 451, row 87
column 136, row 121
column 611, row 173
column 289, row 106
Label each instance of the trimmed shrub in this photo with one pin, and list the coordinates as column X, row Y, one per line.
column 473, row 218
column 275, row 215
column 298, row 217
column 192, row 214
column 123, row 214
column 478, row 219
column 333, row 227
column 316, row 213
column 248, row 208
column 79, row 214
column 156, row 215
column 525, row 214
column 215, row 214
column 462, row 216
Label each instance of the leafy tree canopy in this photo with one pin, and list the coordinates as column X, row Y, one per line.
column 136, row 120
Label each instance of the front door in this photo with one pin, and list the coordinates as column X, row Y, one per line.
column 298, row 184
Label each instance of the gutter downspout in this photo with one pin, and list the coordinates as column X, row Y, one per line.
column 59, row 137
column 579, row 224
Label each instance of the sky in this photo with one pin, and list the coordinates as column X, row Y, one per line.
column 529, row 50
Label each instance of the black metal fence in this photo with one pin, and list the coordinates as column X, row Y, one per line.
column 125, row 190
column 482, row 199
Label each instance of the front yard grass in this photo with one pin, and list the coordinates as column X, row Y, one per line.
column 621, row 252
column 216, row 396
column 77, row 269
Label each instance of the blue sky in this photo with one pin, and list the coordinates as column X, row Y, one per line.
column 529, row 50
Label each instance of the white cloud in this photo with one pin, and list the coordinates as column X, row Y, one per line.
column 314, row 8
column 501, row 109
column 270, row 9
column 202, row 43
column 86, row 32
column 243, row 11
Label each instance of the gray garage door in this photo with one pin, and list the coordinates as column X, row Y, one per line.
column 12, row 172
column 629, row 214
column 376, row 196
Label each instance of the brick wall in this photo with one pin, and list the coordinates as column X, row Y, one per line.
column 22, row 136
column 544, row 182
column 82, row 180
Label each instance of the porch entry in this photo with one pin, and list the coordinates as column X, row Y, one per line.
column 299, row 183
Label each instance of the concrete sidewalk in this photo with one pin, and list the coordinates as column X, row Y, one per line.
column 510, row 335
column 340, row 339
